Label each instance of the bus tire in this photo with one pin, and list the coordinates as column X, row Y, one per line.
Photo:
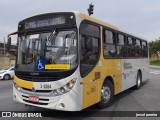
column 138, row 81
column 107, row 95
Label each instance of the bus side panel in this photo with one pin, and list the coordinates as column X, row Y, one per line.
column 91, row 91
column 92, row 83
column 113, row 68
column 130, row 70
column 145, row 69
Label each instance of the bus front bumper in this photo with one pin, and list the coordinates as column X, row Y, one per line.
column 65, row 102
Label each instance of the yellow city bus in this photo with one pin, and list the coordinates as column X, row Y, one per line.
column 69, row 61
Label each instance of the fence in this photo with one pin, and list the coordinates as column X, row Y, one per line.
column 154, row 58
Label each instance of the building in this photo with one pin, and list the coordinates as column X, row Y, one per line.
column 7, row 58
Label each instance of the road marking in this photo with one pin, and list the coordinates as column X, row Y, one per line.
column 155, row 72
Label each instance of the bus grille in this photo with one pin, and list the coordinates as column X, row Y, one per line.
column 37, row 78
column 37, row 91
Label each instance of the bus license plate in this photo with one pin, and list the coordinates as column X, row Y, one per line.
column 34, row 98
column 46, row 86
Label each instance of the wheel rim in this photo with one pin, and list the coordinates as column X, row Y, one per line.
column 6, row 77
column 139, row 81
column 105, row 94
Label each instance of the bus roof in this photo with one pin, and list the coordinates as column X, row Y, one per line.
column 87, row 17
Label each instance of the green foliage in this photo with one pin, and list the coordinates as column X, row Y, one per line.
column 155, row 62
column 154, row 48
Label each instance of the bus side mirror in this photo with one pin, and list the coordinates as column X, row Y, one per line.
column 9, row 43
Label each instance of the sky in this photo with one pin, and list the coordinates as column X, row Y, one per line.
column 140, row 17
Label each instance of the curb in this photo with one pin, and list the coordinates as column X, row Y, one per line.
column 152, row 66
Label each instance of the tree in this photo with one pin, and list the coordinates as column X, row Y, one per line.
column 154, row 48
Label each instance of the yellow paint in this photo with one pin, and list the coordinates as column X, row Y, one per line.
column 57, row 66
column 110, row 67
column 23, row 83
column 91, row 91
column 91, row 94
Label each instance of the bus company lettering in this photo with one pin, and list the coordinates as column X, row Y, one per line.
column 127, row 65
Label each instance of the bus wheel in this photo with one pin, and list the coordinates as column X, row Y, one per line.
column 139, row 81
column 107, row 94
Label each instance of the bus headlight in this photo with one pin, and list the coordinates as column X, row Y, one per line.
column 55, row 92
column 62, row 90
column 66, row 88
column 70, row 84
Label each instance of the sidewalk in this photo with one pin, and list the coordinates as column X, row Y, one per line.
column 153, row 66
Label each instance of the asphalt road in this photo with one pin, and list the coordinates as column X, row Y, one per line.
column 145, row 99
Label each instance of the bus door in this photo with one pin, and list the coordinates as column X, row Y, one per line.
column 89, row 62
column 90, row 70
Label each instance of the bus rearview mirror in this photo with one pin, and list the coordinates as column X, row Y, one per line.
column 9, row 43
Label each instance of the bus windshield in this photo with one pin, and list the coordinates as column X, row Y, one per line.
column 55, row 48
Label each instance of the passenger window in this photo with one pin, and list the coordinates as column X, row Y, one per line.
column 138, row 50
column 144, row 45
column 121, row 51
column 109, row 46
column 121, row 40
column 121, row 47
column 137, row 44
column 109, row 51
column 130, row 48
column 109, row 37
column 130, row 42
column 144, row 49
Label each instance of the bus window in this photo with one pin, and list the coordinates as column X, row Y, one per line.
column 121, row 48
column 130, row 44
column 121, row 39
column 62, row 49
column 137, row 44
column 144, row 49
column 144, row 45
column 89, row 53
column 109, row 45
column 109, row 37
column 138, row 51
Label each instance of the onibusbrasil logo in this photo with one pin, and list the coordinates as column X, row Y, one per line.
column 20, row 114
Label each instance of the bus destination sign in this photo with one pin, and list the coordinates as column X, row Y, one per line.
column 45, row 22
